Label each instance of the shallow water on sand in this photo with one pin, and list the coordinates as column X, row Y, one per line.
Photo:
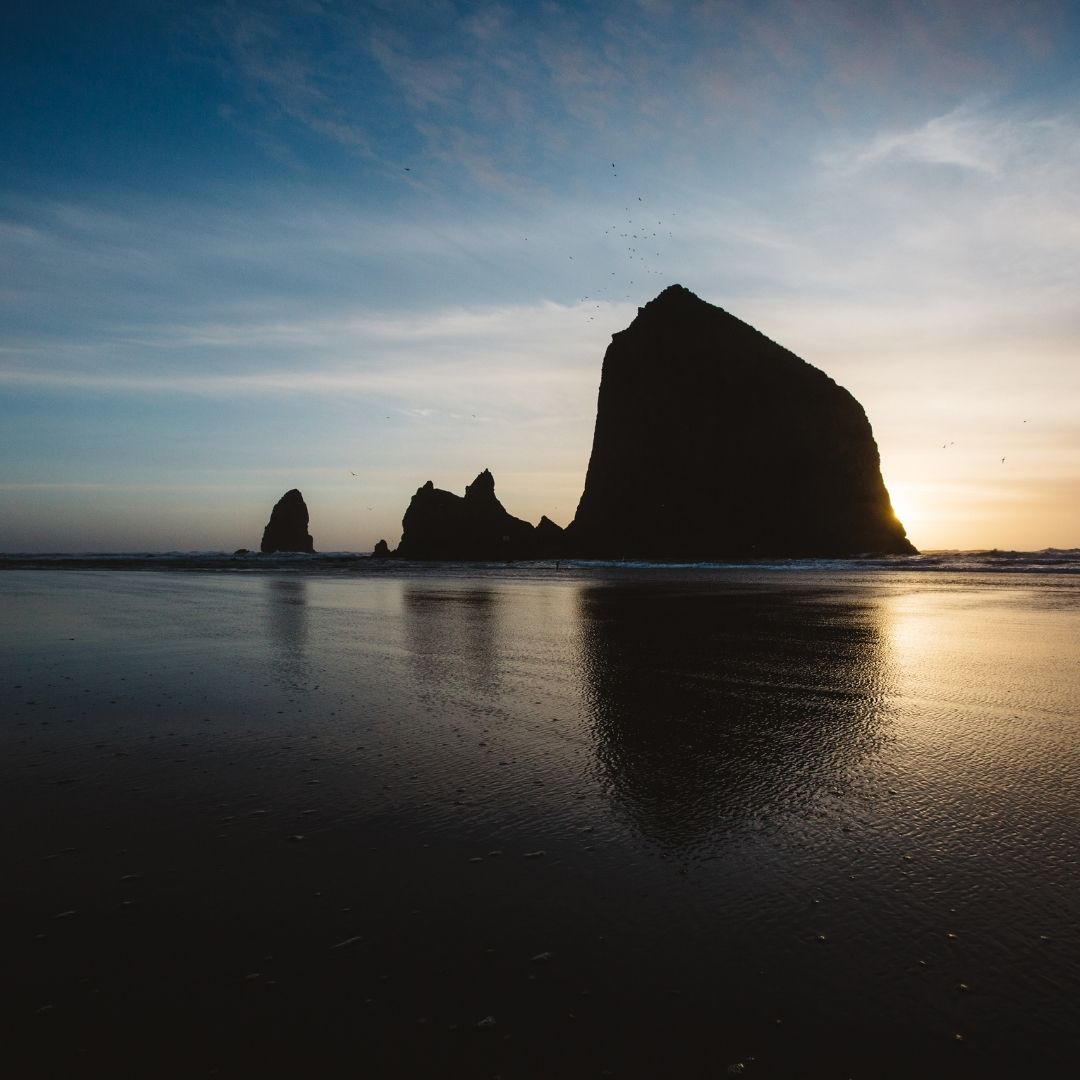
column 523, row 823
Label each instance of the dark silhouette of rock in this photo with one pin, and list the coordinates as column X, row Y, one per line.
column 441, row 525
column 549, row 538
column 288, row 525
column 713, row 442
column 381, row 551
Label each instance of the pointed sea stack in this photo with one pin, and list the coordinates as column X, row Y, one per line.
column 441, row 525
column 714, row 442
column 288, row 525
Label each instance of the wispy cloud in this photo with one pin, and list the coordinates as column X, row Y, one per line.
column 269, row 52
column 425, row 82
column 520, row 361
column 958, row 138
column 497, row 95
column 1010, row 227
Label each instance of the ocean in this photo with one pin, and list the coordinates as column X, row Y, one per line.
column 325, row 815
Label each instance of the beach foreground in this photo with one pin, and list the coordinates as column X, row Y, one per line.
column 526, row 823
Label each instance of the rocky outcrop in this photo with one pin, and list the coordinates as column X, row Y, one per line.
column 441, row 525
column 287, row 529
column 549, row 538
column 712, row 441
column 381, row 550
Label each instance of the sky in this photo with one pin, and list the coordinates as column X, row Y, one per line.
column 353, row 247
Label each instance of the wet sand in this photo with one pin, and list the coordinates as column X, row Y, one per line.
column 525, row 824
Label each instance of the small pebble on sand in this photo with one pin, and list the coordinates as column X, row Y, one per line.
column 347, row 942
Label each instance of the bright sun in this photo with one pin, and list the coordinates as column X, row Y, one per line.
column 905, row 505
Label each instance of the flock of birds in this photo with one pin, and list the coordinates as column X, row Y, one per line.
column 641, row 241
column 641, row 238
column 952, row 442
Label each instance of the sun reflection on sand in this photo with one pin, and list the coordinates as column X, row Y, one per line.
column 977, row 702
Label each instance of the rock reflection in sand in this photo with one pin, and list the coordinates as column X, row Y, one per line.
column 829, row 798
column 287, row 630
column 454, row 636
column 716, row 708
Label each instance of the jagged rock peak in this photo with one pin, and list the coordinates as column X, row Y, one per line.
column 483, row 487
column 441, row 525
column 287, row 528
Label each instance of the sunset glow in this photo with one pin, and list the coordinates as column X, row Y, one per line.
column 351, row 248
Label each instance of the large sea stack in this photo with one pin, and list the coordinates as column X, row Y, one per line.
column 441, row 525
column 288, row 525
column 714, row 442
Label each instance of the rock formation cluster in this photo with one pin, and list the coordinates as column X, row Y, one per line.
column 711, row 442
column 441, row 525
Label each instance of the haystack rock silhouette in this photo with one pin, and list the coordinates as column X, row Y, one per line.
column 287, row 529
column 441, row 525
column 712, row 441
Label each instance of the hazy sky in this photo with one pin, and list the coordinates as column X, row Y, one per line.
column 249, row 246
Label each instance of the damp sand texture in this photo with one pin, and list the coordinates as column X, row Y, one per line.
column 522, row 823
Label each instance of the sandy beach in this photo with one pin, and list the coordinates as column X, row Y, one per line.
column 526, row 823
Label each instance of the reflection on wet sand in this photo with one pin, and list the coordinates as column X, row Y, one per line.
column 476, row 824
column 453, row 637
column 287, row 624
column 717, row 707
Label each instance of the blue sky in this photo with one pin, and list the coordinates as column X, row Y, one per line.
column 251, row 246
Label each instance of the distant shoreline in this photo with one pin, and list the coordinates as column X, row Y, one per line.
column 988, row 560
